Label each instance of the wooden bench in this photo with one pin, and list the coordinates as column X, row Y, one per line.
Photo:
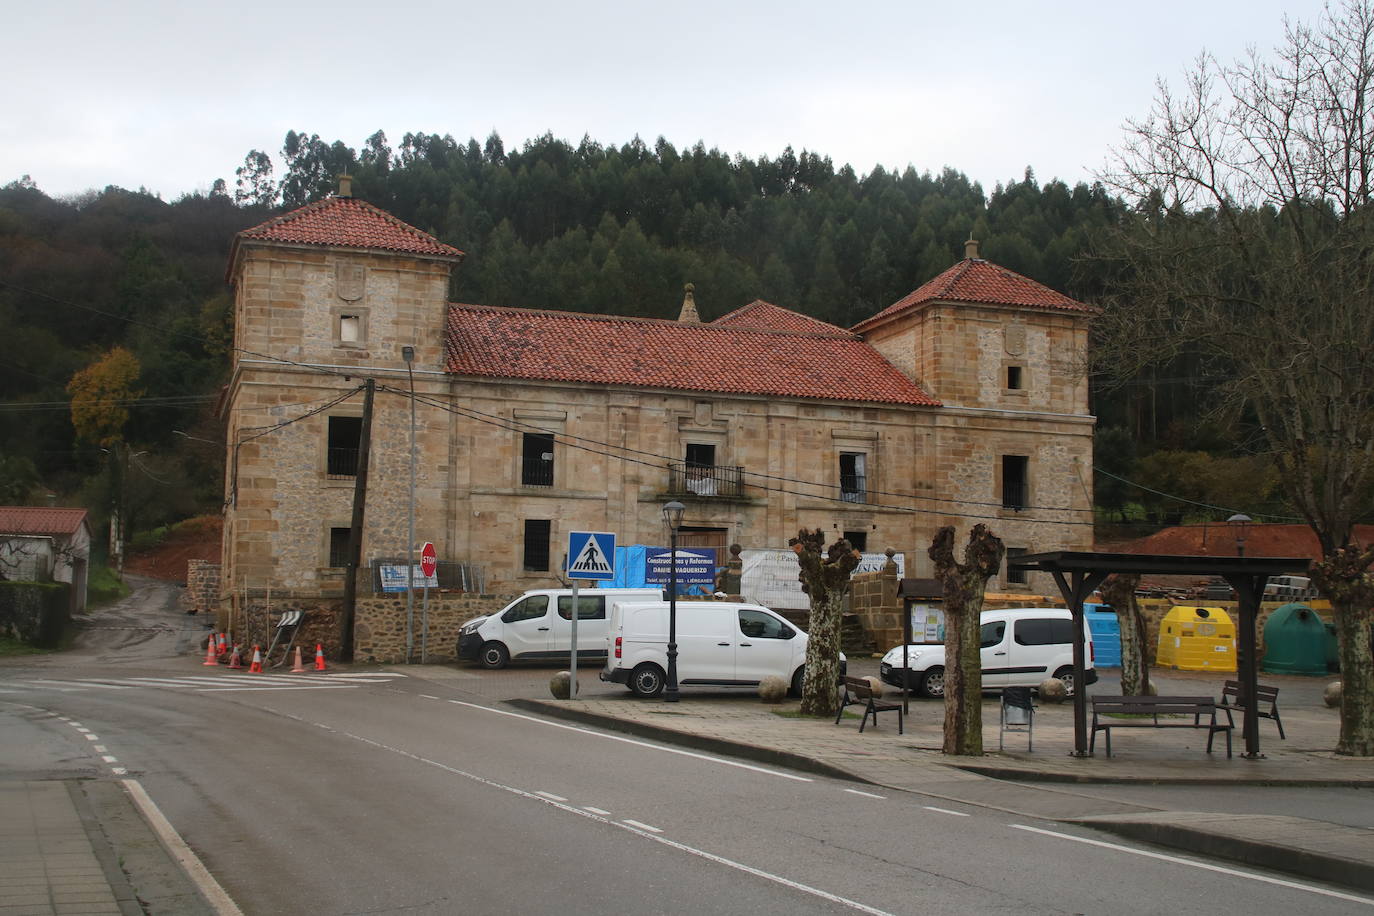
column 857, row 691
column 1269, row 695
column 1147, row 711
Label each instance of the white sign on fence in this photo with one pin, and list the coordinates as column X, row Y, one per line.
column 394, row 578
column 770, row 577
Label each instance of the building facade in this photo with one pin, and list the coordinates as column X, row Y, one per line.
column 958, row 404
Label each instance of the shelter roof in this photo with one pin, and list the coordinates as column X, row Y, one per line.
column 40, row 521
column 611, row 350
column 981, row 282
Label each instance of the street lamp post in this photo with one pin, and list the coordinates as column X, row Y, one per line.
column 408, row 354
column 1240, row 527
column 672, row 515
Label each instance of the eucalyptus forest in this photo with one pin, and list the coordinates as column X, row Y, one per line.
column 554, row 225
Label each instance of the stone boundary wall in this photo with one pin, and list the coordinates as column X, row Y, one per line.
column 379, row 633
column 202, row 586
column 873, row 600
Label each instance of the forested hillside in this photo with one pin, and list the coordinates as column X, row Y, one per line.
column 553, row 225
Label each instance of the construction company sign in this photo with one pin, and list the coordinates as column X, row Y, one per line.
column 696, row 569
column 772, row 577
column 394, row 577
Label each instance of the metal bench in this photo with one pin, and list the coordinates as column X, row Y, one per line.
column 857, row 691
column 1270, row 695
column 1145, row 712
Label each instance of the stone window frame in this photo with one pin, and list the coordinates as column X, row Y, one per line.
column 522, row 548
column 855, row 442
column 548, row 422
column 327, row 546
column 1015, row 580
column 337, row 314
column 1015, row 370
column 999, row 482
column 342, row 411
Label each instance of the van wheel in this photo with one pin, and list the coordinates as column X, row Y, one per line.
column 932, row 683
column 647, row 680
column 797, row 677
column 1065, row 674
column 495, row 655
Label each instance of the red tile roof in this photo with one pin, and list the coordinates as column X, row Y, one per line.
column 1218, row 540
column 978, row 281
column 607, row 350
column 40, row 521
column 766, row 316
column 348, row 223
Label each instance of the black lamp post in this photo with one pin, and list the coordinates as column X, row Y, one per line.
column 672, row 516
column 1240, row 527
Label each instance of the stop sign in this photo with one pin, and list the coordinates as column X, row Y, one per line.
column 428, row 560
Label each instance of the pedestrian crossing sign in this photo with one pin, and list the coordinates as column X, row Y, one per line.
column 591, row 555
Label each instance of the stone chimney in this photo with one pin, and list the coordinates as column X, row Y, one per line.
column 971, row 249
column 345, row 185
column 688, row 315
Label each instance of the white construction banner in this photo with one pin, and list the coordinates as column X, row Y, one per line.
column 770, row 577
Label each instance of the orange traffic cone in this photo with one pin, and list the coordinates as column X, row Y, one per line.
column 319, row 657
column 256, row 667
column 222, row 646
column 236, row 660
column 210, row 651
column 297, row 668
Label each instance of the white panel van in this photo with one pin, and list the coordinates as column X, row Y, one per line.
column 719, row 643
column 1020, row 647
column 537, row 626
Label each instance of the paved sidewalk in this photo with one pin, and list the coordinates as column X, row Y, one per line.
column 71, row 846
column 1036, row 783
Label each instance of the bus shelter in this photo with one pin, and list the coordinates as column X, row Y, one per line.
column 1079, row 573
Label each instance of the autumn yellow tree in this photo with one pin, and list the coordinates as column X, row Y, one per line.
column 100, row 395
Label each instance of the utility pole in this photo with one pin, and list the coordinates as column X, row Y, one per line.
column 355, row 534
column 408, row 354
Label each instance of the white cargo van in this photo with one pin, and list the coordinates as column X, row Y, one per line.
column 537, row 626
column 719, row 643
column 1020, row 647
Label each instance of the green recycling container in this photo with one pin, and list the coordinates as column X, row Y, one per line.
column 1294, row 642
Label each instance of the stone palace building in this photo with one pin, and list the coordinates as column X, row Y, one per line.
column 955, row 405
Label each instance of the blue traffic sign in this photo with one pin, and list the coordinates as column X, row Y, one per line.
column 591, row 555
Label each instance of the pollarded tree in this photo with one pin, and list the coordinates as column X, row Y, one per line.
column 1250, row 252
column 1136, row 655
column 825, row 579
column 963, row 585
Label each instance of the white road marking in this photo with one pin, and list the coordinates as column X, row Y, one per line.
column 551, row 797
column 425, row 696
column 1206, row 866
column 599, row 811
column 209, row 887
column 865, row 794
column 945, row 811
column 100, row 749
column 80, row 685
column 119, row 771
column 109, row 759
column 92, row 737
column 638, row 831
column 647, row 827
column 279, row 687
column 655, row 747
column 82, row 729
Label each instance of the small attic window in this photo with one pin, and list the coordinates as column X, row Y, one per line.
column 350, row 327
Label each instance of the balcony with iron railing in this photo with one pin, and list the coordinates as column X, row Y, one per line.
column 706, row 480
column 854, row 488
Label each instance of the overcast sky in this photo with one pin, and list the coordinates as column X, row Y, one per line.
column 172, row 95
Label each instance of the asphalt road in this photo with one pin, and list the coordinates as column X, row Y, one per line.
column 342, row 794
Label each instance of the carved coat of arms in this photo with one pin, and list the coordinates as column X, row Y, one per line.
column 350, row 281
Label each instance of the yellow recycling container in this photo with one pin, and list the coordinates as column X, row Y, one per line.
column 1197, row 639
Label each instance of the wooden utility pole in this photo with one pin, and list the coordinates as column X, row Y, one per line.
column 355, row 534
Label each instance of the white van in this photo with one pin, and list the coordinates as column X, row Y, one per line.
column 1020, row 648
column 537, row 626
column 719, row 643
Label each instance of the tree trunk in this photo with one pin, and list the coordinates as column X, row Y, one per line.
column 825, row 579
column 1136, row 652
column 821, row 685
column 963, row 585
column 1344, row 577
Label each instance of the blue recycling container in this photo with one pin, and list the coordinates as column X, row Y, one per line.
column 1106, row 631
